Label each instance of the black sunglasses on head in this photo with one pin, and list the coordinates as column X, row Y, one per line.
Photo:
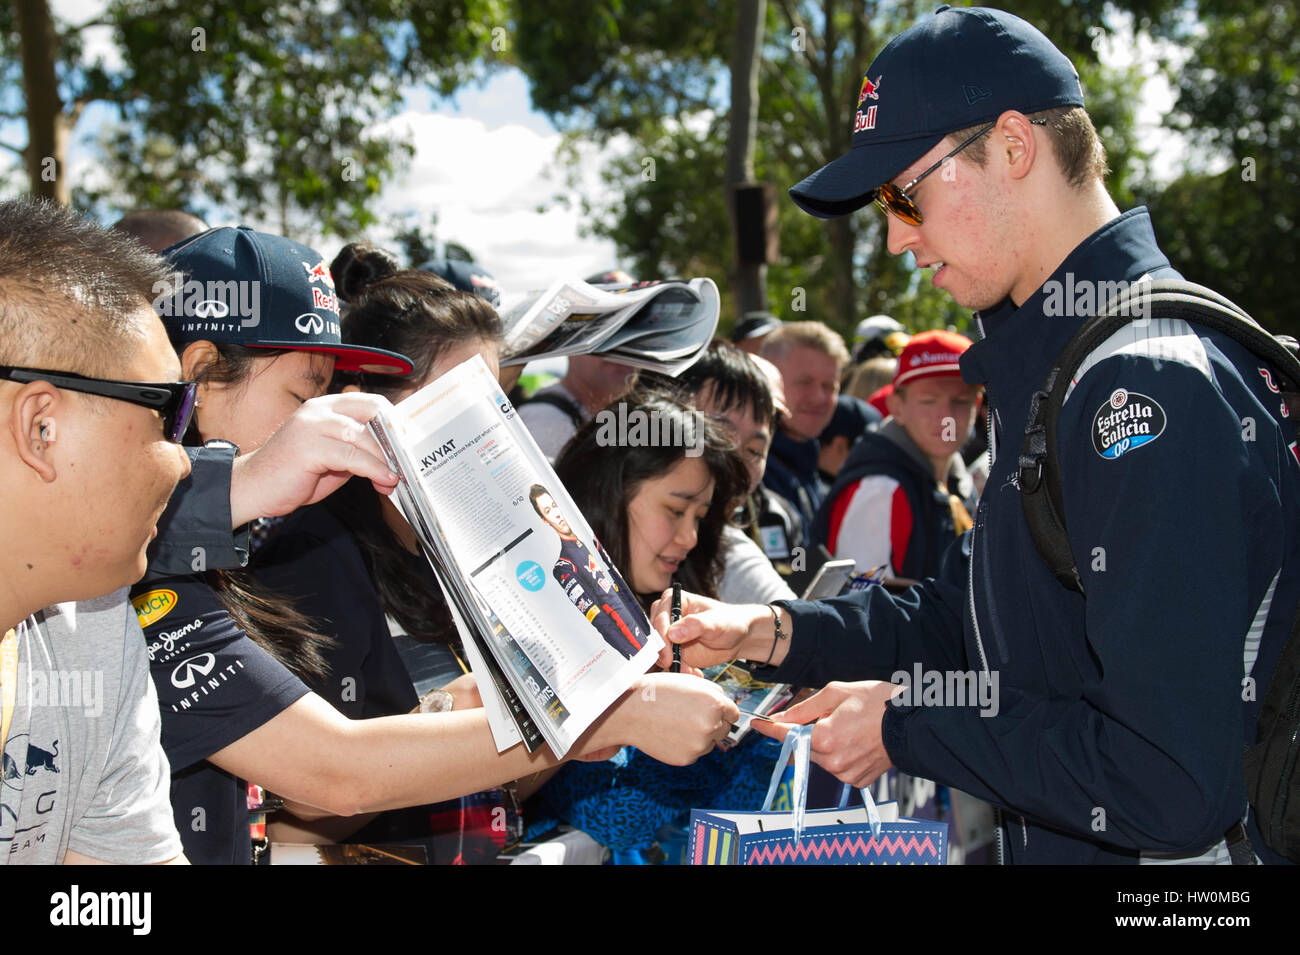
column 173, row 400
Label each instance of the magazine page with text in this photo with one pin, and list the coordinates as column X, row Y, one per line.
column 555, row 613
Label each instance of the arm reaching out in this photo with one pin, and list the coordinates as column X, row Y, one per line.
column 312, row 755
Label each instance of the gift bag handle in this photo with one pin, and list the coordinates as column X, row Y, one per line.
column 873, row 814
column 799, row 741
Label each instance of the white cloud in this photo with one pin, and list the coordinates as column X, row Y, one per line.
column 1169, row 150
column 98, row 40
column 486, row 184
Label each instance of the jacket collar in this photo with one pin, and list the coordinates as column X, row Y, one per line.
column 1018, row 345
column 798, row 457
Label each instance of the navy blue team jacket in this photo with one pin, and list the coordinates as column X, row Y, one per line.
column 1121, row 718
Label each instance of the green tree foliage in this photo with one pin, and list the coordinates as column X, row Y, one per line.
column 652, row 83
column 263, row 106
column 1234, row 228
column 256, row 106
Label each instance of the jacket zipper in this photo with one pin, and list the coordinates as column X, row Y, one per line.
column 970, row 588
column 979, row 645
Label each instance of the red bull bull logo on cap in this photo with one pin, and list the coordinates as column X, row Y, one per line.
column 870, row 88
column 319, row 273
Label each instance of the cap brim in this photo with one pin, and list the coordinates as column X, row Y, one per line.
column 376, row 361
column 944, row 370
column 765, row 329
column 845, row 185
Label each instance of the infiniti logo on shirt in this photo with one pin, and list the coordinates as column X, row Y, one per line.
column 184, row 676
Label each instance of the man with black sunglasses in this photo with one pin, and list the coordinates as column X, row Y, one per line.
column 90, row 404
column 92, row 414
column 1123, row 715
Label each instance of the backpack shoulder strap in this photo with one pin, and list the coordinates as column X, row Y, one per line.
column 1039, row 473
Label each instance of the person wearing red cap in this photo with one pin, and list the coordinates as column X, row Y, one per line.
column 904, row 494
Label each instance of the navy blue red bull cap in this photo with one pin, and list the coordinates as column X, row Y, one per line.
column 962, row 67
column 261, row 291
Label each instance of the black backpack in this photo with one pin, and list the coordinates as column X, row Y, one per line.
column 1272, row 764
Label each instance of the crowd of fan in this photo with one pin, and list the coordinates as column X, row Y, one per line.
column 307, row 684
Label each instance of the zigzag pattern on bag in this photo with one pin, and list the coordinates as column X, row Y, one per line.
column 835, row 848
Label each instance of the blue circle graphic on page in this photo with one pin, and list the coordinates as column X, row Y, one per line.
column 530, row 576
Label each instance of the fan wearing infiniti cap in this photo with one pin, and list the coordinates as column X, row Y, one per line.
column 1117, row 731
column 254, row 319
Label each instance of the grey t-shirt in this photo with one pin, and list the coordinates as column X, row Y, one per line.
column 748, row 576
column 83, row 765
column 550, row 427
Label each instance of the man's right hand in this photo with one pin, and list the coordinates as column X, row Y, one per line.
column 713, row 632
column 312, row 454
column 674, row 718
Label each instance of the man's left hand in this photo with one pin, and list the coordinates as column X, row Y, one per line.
column 846, row 741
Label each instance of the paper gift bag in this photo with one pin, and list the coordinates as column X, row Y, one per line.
column 872, row 835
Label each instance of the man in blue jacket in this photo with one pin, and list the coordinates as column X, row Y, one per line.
column 1118, row 727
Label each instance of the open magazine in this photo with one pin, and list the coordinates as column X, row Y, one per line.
column 660, row 326
column 552, row 631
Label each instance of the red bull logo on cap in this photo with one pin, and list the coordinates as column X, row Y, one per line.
column 319, row 272
column 870, row 89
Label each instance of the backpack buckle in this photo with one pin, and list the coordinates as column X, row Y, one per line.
column 1029, row 475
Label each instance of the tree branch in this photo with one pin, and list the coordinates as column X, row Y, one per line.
column 816, row 122
column 793, row 18
column 21, row 153
column 74, row 29
column 75, row 110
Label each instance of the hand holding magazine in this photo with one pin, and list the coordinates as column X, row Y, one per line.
column 547, row 620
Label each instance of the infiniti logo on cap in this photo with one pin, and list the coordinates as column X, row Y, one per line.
column 309, row 323
column 211, row 308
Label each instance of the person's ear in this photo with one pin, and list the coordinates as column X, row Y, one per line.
column 893, row 401
column 1014, row 141
column 508, row 377
column 33, row 425
column 196, row 360
column 351, row 389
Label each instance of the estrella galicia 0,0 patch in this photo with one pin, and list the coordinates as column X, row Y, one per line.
column 1126, row 420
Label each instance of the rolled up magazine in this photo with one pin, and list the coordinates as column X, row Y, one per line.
column 660, row 326
column 540, row 606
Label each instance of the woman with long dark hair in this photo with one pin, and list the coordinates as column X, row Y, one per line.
column 658, row 496
column 658, row 506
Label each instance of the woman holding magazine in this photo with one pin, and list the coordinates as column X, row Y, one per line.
column 229, row 660
column 659, row 508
